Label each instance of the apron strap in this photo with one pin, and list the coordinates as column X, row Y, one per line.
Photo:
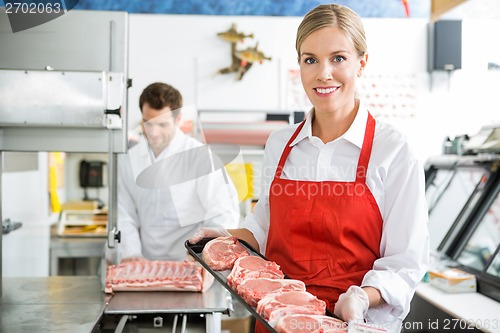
column 287, row 150
column 366, row 150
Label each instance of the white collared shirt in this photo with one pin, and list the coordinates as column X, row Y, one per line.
column 396, row 180
column 155, row 219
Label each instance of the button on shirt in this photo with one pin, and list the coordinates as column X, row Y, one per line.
column 396, row 180
column 155, row 220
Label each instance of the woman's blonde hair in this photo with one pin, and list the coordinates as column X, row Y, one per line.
column 333, row 15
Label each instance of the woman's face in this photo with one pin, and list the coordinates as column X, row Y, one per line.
column 329, row 66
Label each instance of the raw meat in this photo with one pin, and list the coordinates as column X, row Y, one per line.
column 274, row 306
column 253, row 290
column 157, row 276
column 253, row 267
column 220, row 253
column 310, row 324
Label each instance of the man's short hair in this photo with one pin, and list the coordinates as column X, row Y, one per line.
column 159, row 95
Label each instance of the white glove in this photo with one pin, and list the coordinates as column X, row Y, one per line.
column 208, row 233
column 352, row 305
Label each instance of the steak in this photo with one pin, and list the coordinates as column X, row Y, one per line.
column 301, row 323
column 157, row 276
column 274, row 306
column 252, row 290
column 220, row 253
column 253, row 267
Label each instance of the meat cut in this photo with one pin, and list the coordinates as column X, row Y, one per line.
column 300, row 323
column 253, row 267
column 274, row 306
column 252, row 290
column 221, row 253
column 157, row 276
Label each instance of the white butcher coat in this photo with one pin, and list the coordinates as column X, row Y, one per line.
column 155, row 222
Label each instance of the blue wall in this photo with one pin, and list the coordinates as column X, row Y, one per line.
column 365, row 8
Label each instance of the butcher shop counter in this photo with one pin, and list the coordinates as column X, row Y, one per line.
column 51, row 304
column 78, row 304
column 433, row 310
column 179, row 311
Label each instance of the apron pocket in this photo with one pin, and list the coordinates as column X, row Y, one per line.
column 307, row 235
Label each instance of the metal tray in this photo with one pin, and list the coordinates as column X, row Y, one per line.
column 221, row 276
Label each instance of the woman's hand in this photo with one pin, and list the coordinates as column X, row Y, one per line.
column 352, row 305
column 208, row 233
column 241, row 233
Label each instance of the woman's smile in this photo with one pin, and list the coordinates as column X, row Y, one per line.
column 325, row 91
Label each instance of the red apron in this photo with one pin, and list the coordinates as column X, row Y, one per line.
column 325, row 233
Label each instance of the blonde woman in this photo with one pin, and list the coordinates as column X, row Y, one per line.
column 343, row 208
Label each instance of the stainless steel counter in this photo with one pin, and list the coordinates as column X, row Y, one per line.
column 54, row 304
column 77, row 303
column 204, row 310
column 215, row 299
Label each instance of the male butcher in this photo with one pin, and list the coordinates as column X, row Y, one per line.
column 164, row 193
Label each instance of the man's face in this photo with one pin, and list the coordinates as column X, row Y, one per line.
column 159, row 127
